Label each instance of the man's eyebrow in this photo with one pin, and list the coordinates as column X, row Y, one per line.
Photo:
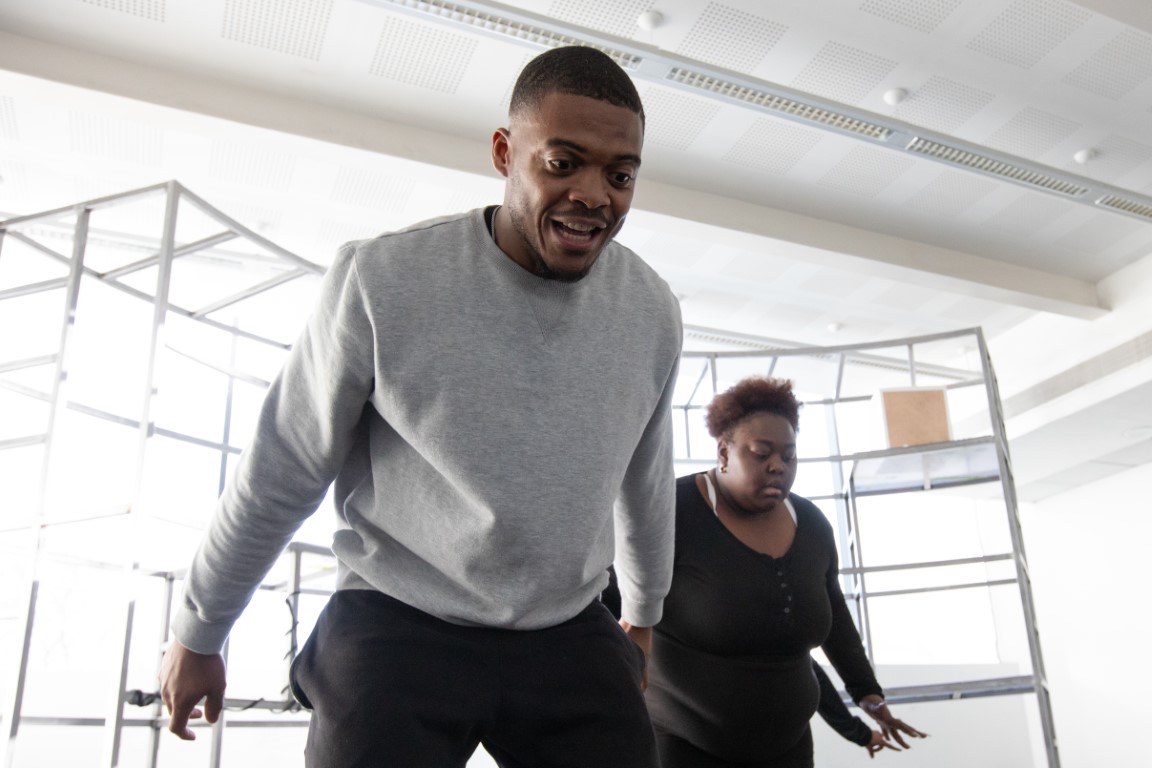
column 582, row 150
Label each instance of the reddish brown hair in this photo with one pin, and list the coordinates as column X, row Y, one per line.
column 756, row 394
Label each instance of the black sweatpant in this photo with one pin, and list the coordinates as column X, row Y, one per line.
column 389, row 685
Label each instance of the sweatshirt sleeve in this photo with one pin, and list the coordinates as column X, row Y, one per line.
column 646, row 514
column 305, row 428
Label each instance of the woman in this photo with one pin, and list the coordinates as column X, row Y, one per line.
column 754, row 590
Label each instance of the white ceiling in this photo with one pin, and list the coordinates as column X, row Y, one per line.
column 316, row 121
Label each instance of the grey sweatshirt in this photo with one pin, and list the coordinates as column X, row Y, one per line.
column 493, row 437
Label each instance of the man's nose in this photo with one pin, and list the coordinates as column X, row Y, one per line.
column 590, row 189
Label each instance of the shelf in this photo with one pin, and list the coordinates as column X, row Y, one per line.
column 925, row 467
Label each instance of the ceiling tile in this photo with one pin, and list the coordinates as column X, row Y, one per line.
column 250, row 164
column 1028, row 30
column 148, row 9
column 668, row 251
column 1117, row 68
column 1118, row 156
column 294, row 27
column 8, row 125
column 370, row 188
column 905, row 297
column 866, row 171
column 951, row 194
column 731, row 38
column 112, row 138
column 843, row 73
column 943, row 105
column 1032, row 133
column 616, row 18
column 1028, row 214
column 422, row 55
column 773, row 146
column 674, row 119
column 1103, row 231
column 830, row 282
column 921, row 15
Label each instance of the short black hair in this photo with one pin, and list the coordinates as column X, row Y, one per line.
column 576, row 70
column 755, row 394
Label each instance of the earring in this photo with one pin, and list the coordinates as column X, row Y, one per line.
column 723, row 469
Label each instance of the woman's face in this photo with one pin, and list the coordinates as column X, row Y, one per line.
column 760, row 455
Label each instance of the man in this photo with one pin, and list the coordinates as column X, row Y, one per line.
column 491, row 395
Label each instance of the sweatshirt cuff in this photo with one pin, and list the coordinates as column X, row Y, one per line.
column 199, row 636
column 642, row 614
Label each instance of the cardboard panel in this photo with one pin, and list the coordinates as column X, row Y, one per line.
column 915, row 416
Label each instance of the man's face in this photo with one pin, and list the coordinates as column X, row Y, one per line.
column 571, row 165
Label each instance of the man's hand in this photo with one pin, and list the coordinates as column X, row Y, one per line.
column 642, row 636
column 186, row 677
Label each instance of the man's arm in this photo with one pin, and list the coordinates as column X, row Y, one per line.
column 306, row 426
column 645, row 516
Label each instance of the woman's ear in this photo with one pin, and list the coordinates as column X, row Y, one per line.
column 722, row 452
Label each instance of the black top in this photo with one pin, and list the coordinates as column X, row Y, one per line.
column 836, row 714
column 731, row 671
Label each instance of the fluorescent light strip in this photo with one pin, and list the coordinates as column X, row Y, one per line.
column 498, row 25
column 1127, row 206
column 994, row 167
column 774, row 103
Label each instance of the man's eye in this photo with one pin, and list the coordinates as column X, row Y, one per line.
column 621, row 179
column 560, row 165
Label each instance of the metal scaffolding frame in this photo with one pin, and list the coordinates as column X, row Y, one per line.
column 176, row 198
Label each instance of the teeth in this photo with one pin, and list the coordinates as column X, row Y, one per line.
column 585, row 228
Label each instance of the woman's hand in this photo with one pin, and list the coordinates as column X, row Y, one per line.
column 890, row 726
column 878, row 743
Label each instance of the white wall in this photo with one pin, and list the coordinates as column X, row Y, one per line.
column 1089, row 555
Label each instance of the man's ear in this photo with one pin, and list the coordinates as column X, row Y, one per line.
column 500, row 151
